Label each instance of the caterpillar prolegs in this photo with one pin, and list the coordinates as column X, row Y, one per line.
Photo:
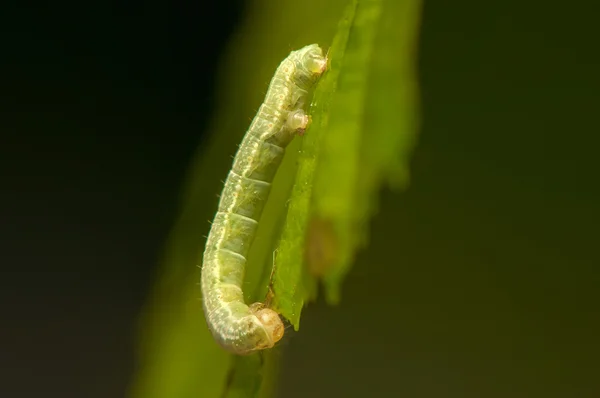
column 237, row 327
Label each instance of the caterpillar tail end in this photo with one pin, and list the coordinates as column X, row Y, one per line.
column 271, row 322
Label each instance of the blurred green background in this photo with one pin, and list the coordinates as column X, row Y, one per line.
column 480, row 280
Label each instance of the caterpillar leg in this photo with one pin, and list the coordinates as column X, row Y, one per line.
column 298, row 121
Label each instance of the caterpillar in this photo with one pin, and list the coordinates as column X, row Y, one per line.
column 240, row 328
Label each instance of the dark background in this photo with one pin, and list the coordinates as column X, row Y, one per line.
column 481, row 279
column 103, row 105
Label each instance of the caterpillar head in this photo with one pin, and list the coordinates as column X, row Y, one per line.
column 310, row 65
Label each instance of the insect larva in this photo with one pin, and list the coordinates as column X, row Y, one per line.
column 240, row 328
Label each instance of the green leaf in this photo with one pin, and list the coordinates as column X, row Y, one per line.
column 371, row 130
column 364, row 121
column 292, row 285
column 364, row 113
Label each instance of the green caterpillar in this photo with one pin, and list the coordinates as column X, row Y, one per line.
column 237, row 327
